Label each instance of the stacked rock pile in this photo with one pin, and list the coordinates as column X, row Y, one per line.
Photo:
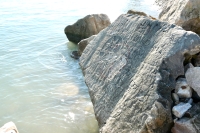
column 186, row 98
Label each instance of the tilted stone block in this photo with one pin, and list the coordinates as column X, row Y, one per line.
column 130, row 69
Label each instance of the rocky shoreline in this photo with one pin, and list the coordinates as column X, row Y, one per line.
column 143, row 73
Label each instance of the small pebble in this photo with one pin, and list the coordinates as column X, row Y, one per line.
column 180, row 109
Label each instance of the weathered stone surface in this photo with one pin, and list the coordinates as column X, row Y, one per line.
column 134, row 12
column 189, row 65
column 86, row 27
column 196, row 60
column 9, row 128
column 184, row 125
column 175, row 98
column 130, row 69
column 185, row 13
column 83, row 43
column 193, row 77
column 180, row 109
column 182, row 88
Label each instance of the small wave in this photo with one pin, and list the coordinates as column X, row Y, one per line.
column 51, row 57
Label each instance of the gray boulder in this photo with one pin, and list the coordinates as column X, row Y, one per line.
column 83, row 43
column 130, row 69
column 193, row 78
column 185, row 13
column 184, row 125
column 86, row 27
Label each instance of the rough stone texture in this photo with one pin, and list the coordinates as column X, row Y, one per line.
column 196, row 60
column 9, row 128
column 175, row 98
column 86, row 27
column 184, row 125
column 193, row 78
column 180, row 109
column 130, row 69
column 185, row 13
column 182, row 88
column 194, row 110
column 189, row 65
column 83, row 43
column 134, row 12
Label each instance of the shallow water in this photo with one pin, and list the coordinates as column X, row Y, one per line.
column 41, row 88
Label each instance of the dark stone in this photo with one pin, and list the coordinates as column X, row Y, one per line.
column 75, row 55
column 83, row 43
column 86, row 27
column 131, row 69
column 195, row 109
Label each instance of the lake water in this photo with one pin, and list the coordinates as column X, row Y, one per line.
column 42, row 89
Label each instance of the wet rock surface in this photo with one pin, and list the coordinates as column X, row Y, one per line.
column 75, row 55
column 130, row 69
column 86, row 27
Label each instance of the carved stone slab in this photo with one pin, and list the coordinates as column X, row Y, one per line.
column 130, row 70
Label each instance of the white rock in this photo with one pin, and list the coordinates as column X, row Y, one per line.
column 182, row 89
column 9, row 128
column 193, row 78
column 180, row 109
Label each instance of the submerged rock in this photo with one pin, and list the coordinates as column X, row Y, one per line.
column 86, row 27
column 193, row 78
column 75, row 55
column 83, row 43
column 185, row 13
column 180, row 109
column 130, row 70
column 9, row 128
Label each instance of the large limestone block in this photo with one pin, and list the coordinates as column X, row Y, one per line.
column 130, row 69
column 86, row 27
column 185, row 13
column 9, row 128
